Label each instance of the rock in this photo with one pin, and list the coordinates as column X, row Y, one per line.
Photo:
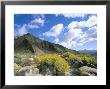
column 68, row 74
column 39, row 75
column 66, row 58
column 31, row 59
column 88, row 71
column 48, row 72
column 16, row 68
column 77, row 64
column 32, row 72
column 28, row 71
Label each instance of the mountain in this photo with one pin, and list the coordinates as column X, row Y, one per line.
column 30, row 43
column 88, row 51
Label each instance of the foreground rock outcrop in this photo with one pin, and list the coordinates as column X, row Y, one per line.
column 28, row 71
column 87, row 71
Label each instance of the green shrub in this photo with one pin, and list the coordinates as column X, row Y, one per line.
column 89, row 60
column 71, row 57
column 54, row 62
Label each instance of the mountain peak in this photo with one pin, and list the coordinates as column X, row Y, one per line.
column 31, row 36
column 28, row 34
column 28, row 42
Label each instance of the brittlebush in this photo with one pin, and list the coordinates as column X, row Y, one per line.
column 71, row 56
column 89, row 60
column 53, row 60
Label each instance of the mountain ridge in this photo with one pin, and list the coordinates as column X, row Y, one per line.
column 30, row 43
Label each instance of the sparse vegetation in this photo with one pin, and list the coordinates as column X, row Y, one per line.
column 54, row 62
column 50, row 59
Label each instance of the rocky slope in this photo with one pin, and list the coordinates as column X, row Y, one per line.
column 36, row 57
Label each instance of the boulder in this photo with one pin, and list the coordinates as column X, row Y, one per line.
column 16, row 68
column 28, row 71
column 68, row 74
column 88, row 71
column 31, row 59
column 77, row 64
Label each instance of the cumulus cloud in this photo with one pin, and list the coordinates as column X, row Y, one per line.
column 36, row 23
column 72, row 34
column 22, row 30
column 72, row 15
column 76, row 36
column 16, row 25
column 71, row 37
column 54, row 31
column 89, row 23
column 38, row 16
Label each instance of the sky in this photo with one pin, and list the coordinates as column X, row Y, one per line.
column 76, row 31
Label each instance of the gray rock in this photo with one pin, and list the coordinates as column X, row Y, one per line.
column 77, row 64
column 68, row 74
column 88, row 71
column 48, row 72
column 31, row 59
column 28, row 71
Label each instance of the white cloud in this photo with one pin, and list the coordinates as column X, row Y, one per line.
column 71, row 37
column 72, row 15
column 77, row 37
column 56, row 40
column 89, row 23
column 38, row 16
column 16, row 25
column 92, row 32
column 54, row 31
column 22, row 30
column 36, row 23
column 72, row 34
column 76, row 34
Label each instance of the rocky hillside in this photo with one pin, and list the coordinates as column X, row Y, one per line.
column 36, row 57
column 30, row 43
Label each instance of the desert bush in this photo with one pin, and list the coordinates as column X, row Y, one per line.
column 89, row 60
column 22, row 61
column 78, row 60
column 54, row 62
column 18, row 61
column 72, row 59
column 71, row 56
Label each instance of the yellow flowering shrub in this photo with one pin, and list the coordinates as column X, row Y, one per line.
column 53, row 60
column 71, row 56
column 89, row 60
column 86, row 57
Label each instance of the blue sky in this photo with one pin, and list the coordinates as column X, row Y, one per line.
column 74, row 31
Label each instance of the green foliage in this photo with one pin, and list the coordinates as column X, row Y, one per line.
column 54, row 62
column 71, row 57
column 22, row 61
column 28, row 46
column 88, row 60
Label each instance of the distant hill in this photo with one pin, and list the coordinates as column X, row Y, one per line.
column 30, row 43
column 88, row 51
